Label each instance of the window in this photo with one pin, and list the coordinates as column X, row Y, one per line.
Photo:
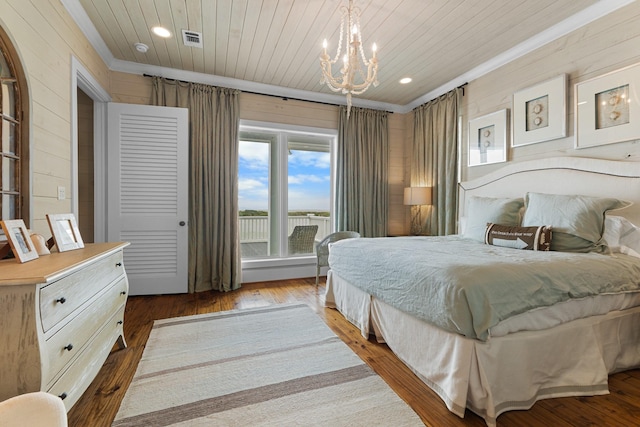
column 284, row 191
column 12, row 174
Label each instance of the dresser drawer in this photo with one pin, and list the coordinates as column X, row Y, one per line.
column 65, row 344
column 75, row 380
column 60, row 298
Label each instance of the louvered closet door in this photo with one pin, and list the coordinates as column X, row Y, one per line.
column 147, row 194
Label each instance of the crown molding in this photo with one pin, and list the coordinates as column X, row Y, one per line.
column 246, row 86
column 580, row 19
column 81, row 18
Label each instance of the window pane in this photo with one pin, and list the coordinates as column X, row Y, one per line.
column 309, row 193
column 4, row 67
column 253, row 199
column 9, row 177
column 8, row 205
column 11, row 168
column 8, row 137
column 8, row 100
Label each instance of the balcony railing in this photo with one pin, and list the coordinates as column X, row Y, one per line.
column 254, row 231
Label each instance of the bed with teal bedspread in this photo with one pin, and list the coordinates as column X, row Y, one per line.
column 467, row 287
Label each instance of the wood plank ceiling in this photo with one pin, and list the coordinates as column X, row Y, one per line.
column 278, row 42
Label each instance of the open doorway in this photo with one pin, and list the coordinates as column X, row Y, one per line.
column 88, row 158
column 85, row 167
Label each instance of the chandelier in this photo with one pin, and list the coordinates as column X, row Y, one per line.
column 352, row 79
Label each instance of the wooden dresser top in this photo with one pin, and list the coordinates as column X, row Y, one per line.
column 49, row 268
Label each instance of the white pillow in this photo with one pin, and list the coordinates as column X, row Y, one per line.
column 484, row 210
column 622, row 235
column 577, row 221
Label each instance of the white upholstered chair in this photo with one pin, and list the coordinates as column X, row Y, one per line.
column 37, row 409
column 322, row 248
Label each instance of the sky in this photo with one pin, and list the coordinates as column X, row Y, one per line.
column 309, row 178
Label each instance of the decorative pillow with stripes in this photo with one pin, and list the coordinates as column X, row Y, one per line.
column 531, row 238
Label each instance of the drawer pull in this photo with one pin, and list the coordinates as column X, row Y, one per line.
column 61, row 300
column 118, row 264
column 63, row 396
column 68, row 347
column 120, row 322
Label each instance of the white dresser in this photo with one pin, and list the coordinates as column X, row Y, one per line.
column 60, row 316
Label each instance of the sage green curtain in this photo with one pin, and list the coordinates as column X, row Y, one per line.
column 362, row 170
column 214, row 117
column 434, row 161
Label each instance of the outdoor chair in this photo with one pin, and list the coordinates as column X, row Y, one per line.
column 302, row 239
column 322, row 248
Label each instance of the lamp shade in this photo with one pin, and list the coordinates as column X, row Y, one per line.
column 417, row 195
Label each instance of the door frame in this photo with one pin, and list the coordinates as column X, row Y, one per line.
column 82, row 79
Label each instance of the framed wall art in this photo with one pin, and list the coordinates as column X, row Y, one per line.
column 19, row 240
column 540, row 112
column 606, row 108
column 488, row 139
column 64, row 229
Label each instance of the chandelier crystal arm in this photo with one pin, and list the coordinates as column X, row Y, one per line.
column 339, row 51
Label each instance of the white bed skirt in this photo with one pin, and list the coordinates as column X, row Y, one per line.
column 504, row 373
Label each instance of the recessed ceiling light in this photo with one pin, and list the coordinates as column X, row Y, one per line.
column 405, row 80
column 161, row 31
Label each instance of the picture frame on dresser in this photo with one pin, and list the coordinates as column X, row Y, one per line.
column 488, row 139
column 607, row 108
column 540, row 112
column 64, row 229
column 19, row 240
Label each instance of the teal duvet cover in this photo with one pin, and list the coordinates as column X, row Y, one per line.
column 467, row 287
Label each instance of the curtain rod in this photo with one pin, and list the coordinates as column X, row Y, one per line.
column 438, row 97
column 462, row 87
column 284, row 98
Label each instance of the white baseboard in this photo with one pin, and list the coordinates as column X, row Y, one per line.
column 280, row 269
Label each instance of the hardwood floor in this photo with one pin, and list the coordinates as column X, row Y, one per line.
column 99, row 404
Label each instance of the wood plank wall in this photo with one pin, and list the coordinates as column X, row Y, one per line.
column 45, row 37
column 605, row 45
column 136, row 89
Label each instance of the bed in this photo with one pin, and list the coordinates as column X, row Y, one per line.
column 551, row 323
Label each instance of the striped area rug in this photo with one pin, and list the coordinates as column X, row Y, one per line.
column 272, row 366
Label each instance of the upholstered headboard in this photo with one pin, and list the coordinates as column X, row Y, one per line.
column 561, row 175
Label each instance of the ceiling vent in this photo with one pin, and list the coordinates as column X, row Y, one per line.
column 191, row 38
